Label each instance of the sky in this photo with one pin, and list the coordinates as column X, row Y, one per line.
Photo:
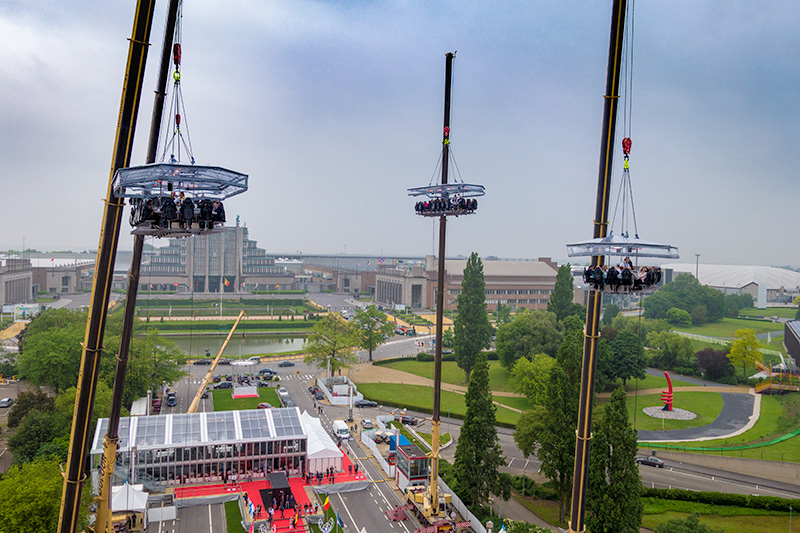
column 335, row 108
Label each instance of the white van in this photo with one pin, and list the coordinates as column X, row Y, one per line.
column 341, row 430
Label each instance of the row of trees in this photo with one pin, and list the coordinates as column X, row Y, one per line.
column 685, row 301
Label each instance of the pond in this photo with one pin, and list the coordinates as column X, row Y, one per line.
column 251, row 344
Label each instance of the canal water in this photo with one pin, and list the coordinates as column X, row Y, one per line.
column 250, row 344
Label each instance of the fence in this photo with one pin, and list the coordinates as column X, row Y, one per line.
column 720, row 340
column 367, row 439
column 462, row 509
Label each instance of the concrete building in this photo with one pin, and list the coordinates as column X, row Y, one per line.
column 520, row 284
column 16, row 281
column 777, row 285
column 229, row 261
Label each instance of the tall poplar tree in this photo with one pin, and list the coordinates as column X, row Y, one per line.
column 478, row 454
column 472, row 331
column 560, row 301
column 614, row 500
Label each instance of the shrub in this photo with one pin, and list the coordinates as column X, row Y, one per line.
column 679, row 317
column 768, row 503
column 728, row 380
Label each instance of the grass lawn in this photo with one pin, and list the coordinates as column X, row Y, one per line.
column 224, row 402
column 418, row 397
column 514, row 402
column 547, row 509
column 728, row 326
column 779, row 416
column 498, row 376
column 783, row 312
column 653, row 382
column 728, row 518
column 706, row 405
column 233, row 518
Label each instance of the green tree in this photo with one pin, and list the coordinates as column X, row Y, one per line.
column 686, row 293
column 560, row 302
column 448, row 338
column 690, row 524
column 714, row 363
column 503, row 314
column 36, row 429
column 330, row 344
column 471, row 329
column 672, row 350
column 609, row 313
column 52, row 352
column 478, row 456
column 629, row 359
column 745, row 350
column 28, row 401
column 373, row 326
column 530, row 377
column 30, row 498
column 556, row 448
column 530, row 332
column 614, row 503
column 679, row 317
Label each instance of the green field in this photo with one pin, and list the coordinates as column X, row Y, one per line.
column 515, row 402
column 420, row 398
column 783, row 312
column 728, row 518
column 654, row 382
column 728, row 326
column 779, row 416
column 224, row 402
column 706, row 405
column 498, row 376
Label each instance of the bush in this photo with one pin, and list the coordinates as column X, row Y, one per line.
column 687, row 371
column 767, row 503
column 728, row 380
column 679, row 317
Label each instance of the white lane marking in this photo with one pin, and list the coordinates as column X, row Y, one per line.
column 347, row 511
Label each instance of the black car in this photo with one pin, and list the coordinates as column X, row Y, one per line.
column 202, row 361
column 267, row 371
column 650, row 461
column 261, row 383
column 312, row 389
column 286, row 363
column 365, row 403
column 172, row 401
column 224, row 385
column 319, row 395
column 205, row 394
column 225, row 361
column 410, row 420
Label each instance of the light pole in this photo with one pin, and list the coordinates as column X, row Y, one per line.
column 697, row 267
column 448, row 422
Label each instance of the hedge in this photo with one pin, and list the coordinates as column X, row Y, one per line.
column 767, row 503
column 214, row 326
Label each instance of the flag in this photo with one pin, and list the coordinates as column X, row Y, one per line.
column 380, row 260
column 327, row 504
column 151, row 286
column 227, row 282
column 277, row 285
column 252, row 525
column 339, row 520
column 369, row 263
column 256, row 286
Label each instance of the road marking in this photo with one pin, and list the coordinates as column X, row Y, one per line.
column 210, row 520
column 347, row 511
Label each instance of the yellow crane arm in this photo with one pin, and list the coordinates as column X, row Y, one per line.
column 210, row 375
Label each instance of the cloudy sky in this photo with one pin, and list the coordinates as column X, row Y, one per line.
column 334, row 109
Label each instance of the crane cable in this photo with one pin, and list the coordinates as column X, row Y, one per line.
column 177, row 109
column 625, row 194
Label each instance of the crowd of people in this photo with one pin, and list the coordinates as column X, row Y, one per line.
column 623, row 276
column 438, row 206
column 162, row 211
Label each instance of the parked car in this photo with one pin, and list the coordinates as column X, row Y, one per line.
column 6, row 402
column 261, row 383
column 205, row 394
column 410, row 420
column 365, row 403
column 366, row 424
column 255, row 359
column 286, row 363
column 265, row 405
column 319, row 395
column 650, row 460
column 202, row 361
column 400, row 331
column 224, row 385
column 172, row 401
column 267, row 371
column 225, row 361
column 312, row 389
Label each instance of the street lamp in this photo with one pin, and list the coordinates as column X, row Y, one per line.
column 697, row 267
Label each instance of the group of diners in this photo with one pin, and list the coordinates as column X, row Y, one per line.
column 162, row 211
column 624, row 276
column 446, row 205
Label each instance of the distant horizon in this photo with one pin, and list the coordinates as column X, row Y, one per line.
column 577, row 261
